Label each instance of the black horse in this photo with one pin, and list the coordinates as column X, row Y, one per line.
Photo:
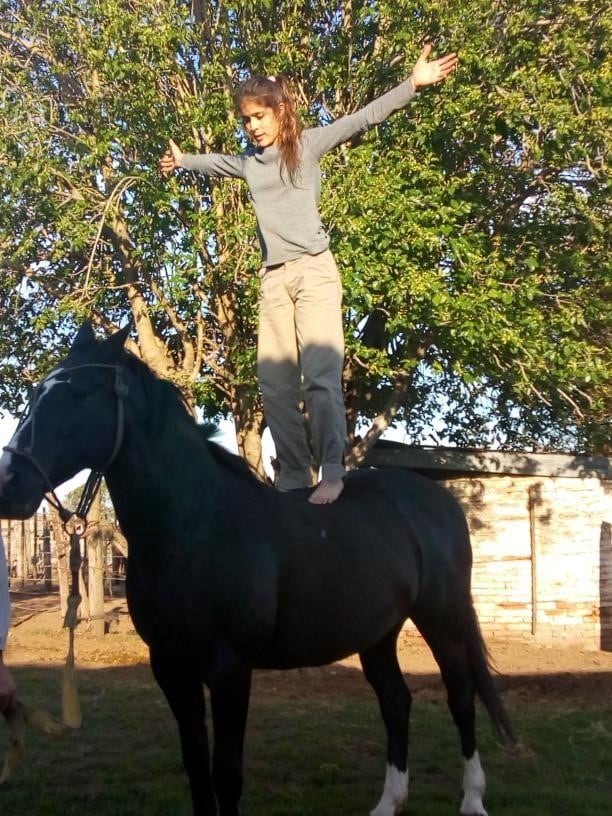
column 226, row 575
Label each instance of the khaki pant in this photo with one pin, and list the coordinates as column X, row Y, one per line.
column 300, row 356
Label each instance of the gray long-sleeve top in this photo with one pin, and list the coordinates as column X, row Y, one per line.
column 288, row 220
column 5, row 604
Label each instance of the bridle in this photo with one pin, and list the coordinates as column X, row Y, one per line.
column 75, row 523
column 92, row 485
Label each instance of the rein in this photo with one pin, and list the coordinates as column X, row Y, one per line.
column 75, row 524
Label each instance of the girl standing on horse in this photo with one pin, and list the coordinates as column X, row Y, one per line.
column 300, row 343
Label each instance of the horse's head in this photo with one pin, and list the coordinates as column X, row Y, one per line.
column 74, row 421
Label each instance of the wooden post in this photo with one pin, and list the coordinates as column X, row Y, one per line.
column 84, row 613
column 532, row 501
column 61, row 547
column 35, row 553
column 95, row 558
column 46, row 553
column 8, row 540
column 22, row 556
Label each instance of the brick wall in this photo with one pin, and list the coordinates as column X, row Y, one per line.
column 543, row 538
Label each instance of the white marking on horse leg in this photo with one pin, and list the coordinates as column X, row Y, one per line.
column 395, row 792
column 474, row 785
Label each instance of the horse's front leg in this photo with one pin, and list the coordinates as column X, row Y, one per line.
column 230, row 687
column 382, row 671
column 182, row 686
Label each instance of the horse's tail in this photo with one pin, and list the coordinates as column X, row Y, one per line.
column 480, row 668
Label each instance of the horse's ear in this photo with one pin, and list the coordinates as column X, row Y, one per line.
column 117, row 340
column 85, row 337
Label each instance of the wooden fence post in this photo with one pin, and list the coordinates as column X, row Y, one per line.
column 46, row 553
column 96, row 547
column 61, row 548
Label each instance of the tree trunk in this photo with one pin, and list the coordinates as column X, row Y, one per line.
column 358, row 452
column 22, row 559
column 46, row 554
column 61, row 547
column 119, row 541
column 84, row 605
column 96, row 548
column 248, row 421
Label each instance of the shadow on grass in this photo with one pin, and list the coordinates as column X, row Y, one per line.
column 315, row 747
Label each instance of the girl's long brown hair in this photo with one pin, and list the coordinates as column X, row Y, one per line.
column 275, row 92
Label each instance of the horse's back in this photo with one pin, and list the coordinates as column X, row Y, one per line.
column 425, row 503
column 437, row 523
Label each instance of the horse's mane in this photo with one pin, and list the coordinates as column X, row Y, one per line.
column 231, row 461
column 166, row 399
column 158, row 389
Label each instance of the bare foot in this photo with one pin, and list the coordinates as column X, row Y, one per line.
column 327, row 491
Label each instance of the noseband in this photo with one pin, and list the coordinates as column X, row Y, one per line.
column 94, row 479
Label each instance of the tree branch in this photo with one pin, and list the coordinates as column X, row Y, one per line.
column 358, row 453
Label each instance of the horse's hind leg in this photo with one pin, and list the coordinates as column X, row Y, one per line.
column 382, row 671
column 449, row 648
column 185, row 694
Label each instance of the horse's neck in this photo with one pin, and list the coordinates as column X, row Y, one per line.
column 157, row 480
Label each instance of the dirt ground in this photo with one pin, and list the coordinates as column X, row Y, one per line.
column 526, row 671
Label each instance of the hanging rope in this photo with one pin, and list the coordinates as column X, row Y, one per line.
column 71, row 705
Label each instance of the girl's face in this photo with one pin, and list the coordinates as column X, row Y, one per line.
column 260, row 122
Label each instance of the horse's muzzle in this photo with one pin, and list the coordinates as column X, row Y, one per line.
column 17, row 501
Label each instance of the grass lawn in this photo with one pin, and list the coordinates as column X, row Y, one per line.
column 321, row 756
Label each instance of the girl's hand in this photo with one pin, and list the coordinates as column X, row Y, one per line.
column 171, row 159
column 428, row 73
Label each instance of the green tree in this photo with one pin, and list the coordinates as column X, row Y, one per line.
column 470, row 229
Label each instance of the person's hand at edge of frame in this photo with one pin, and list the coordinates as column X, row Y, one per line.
column 8, row 687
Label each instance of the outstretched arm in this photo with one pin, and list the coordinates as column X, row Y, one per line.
column 424, row 73
column 211, row 164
